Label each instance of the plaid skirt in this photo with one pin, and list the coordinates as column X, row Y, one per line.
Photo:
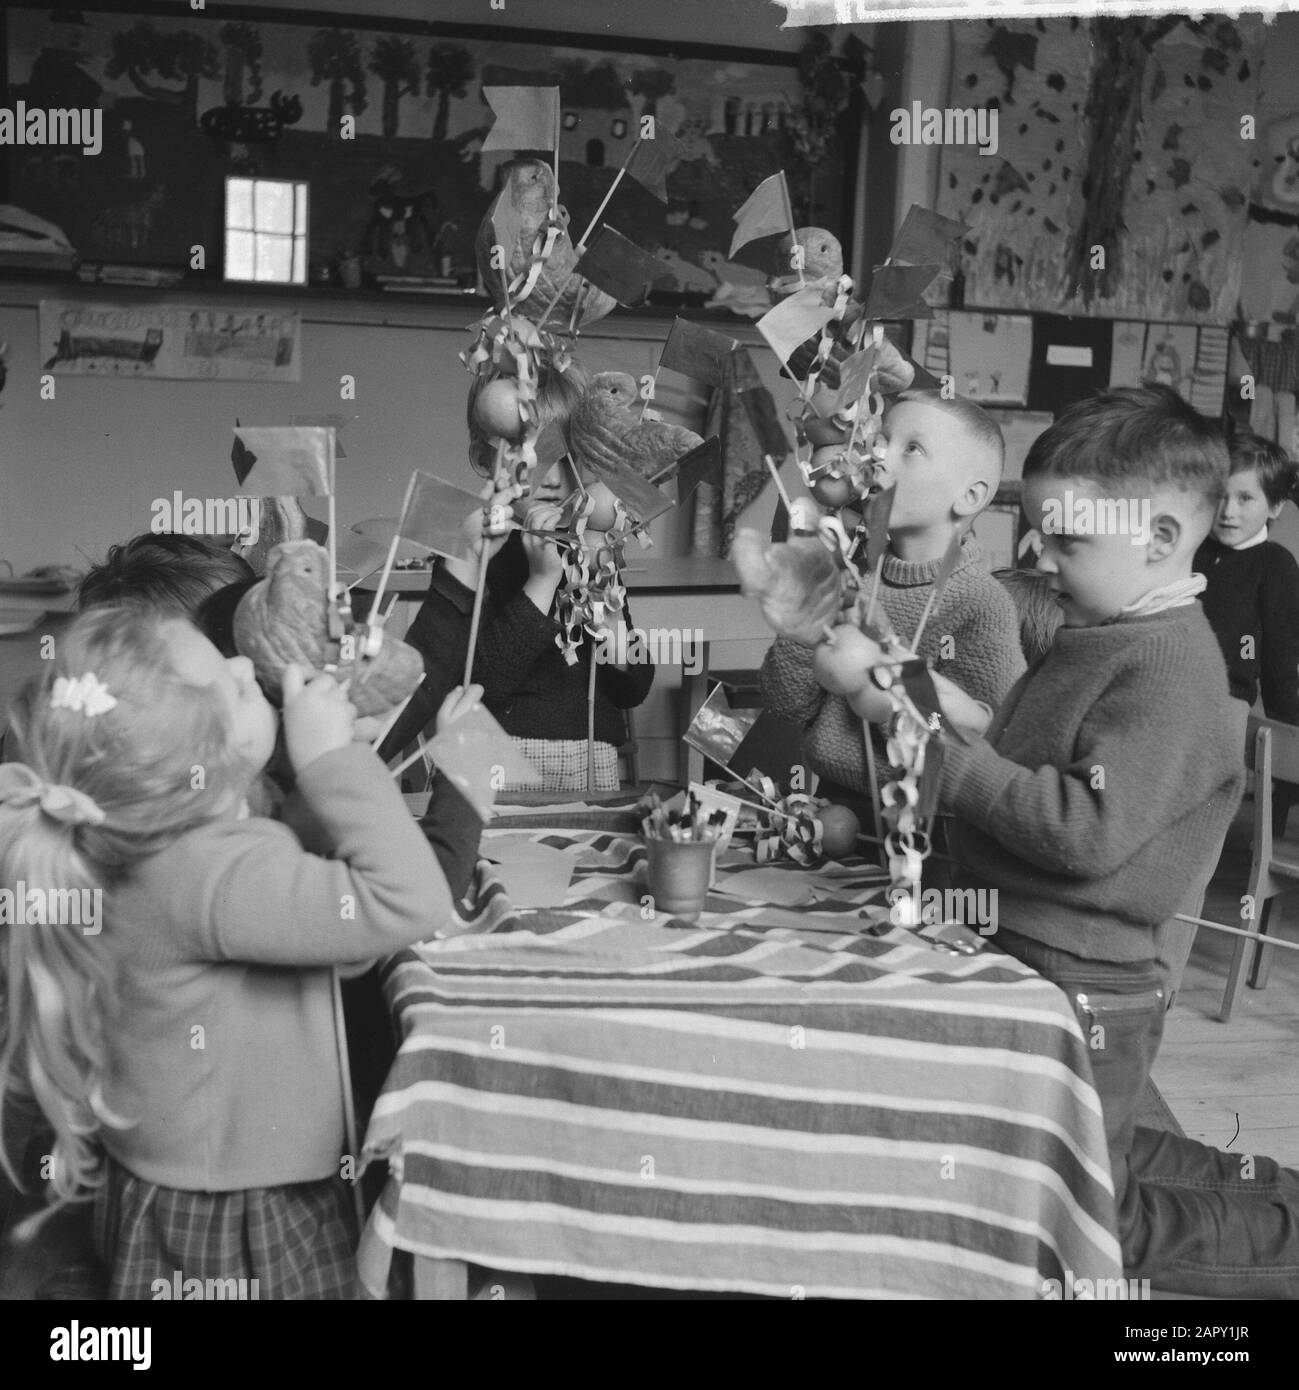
column 561, row 762
column 297, row 1242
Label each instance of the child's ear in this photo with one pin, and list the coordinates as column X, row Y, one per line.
column 1166, row 532
column 973, row 500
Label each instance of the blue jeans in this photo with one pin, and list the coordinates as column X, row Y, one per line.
column 1191, row 1219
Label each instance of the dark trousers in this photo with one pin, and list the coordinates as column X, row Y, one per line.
column 1191, row 1219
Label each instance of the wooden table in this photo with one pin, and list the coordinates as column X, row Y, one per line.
column 773, row 1101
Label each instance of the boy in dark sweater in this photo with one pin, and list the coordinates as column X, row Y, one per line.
column 1252, row 598
column 1101, row 790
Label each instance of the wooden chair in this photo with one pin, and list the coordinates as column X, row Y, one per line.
column 1272, row 752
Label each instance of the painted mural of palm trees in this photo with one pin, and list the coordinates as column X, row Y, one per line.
column 335, row 57
column 242, row 85
column 450, row 70
column 142, row 53
column 394, row 63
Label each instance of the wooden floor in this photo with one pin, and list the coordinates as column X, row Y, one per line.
column 1220, row 1078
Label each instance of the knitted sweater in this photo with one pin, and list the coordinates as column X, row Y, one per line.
column 1254, row 593
column 1103, row 787
column 223, row 1041
column 972, row 637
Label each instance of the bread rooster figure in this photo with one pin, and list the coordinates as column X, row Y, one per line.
column 822, row 263
column 605, row 427
column 285, row 618
column 796, row 582
column 524, row 205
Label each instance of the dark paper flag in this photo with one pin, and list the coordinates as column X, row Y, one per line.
column 896, row 291
column 764, row 213
column 240, row 457
column 285, row 461
column 923, row 380
column 476, row 755
column 550, row 447
column 925, row 236
column 619, row 267
column 698, row 353
column 794, row 320
column 703, row 464
column 527, row 118
column 854, row 378
column 640, row 497
column 650, row 160
column 434, row 514
column 759, row 407
column 773, row 745
column 879, row 508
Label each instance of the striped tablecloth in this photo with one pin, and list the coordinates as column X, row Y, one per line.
column 768, row 1102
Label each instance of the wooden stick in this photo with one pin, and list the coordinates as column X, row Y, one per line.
column 590, row 724
column 875, row 588
column 775, row 478
column 387, row 570
column 872, row 779
column 350, row 1134
column 407, row 761
column 612, row 187
column 391, row 720
column 924, row 618
column 1261, row 937
column 479, row 589
column 789, row 213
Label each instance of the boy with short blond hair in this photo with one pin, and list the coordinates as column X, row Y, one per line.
column 1102, row 790
column 944, row 458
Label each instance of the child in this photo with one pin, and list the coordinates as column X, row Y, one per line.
column 527, row 685
column 1252, row 598
column 945, row 457
column 1103, row 788
column 191, row 1037
column 166, row 571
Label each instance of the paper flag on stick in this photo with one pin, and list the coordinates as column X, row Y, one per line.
column 923, row 380
column 879, row 508
column 698, row 353
column 764, row 213
column 550, row 446
column 332, row 418
column 703, row 464
column 359, row 555
column 526, row 118
column 619, row 267
column 896, row 290
column 717, row 730
column 434, row 514
column 284, row 461
column 641, row 498
column 925, row 237
column 475, row 754
column 649, row 165
column 764, row 419
column 795, row 319
column 854, row 378
column 773, row 745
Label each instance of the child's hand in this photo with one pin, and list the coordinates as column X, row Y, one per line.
column 544, row 559
column 464, row 699
column 318, row 716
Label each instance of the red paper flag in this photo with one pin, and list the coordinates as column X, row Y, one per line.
column 764, row 213
column 794, row 320
column 434, row 514
column 925, row 236
column 896, row 290
column 703, row 464
column 698, row 353
column 854, row 378
column 285, row 461
column 527, row 118
column 640, row 497
column 619, row 267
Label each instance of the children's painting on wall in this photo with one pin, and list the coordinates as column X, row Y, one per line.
column 1122, row 173
column 188, row 100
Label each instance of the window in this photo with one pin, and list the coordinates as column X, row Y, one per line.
column 266, row 231
column 619, row 127
column 570, row 120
